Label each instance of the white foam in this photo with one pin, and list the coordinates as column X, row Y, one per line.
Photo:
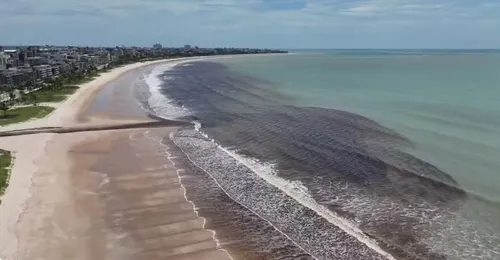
column 158, row 102
column 169, row 156
column 165, row 107
column 300, row 193
column 178, row 171
column 198, row 127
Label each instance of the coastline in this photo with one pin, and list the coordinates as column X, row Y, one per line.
column 44, row 160
column 118, row 182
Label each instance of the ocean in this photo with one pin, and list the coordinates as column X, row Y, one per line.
column 353, row 154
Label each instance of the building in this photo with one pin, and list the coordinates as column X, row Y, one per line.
column 63, row 67
column 15, row 77
column 55, row 71
column 43, row 71
column 37, row 61
column 3, row 61
column 10, row 51
column 91, row 60
column 79, row 66
column 32, row 51
column 21, row 56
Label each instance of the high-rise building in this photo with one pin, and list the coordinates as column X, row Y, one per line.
column 3, row 61
column 43, row 71
column 32, row 51
column 22, row 56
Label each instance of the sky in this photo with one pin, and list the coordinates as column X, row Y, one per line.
column 287, row 24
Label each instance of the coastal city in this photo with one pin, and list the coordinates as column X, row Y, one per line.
column 250, row 130
column 27, row 65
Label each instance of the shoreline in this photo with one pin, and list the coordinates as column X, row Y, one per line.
column 214, row 233
column 29, row 149
column 33, row 156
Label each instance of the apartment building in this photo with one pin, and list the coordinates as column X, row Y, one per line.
column 3, row 61
column 43, row 71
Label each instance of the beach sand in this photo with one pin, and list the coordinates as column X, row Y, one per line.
column 99, row 194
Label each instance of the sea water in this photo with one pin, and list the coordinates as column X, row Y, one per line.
column 344, row 154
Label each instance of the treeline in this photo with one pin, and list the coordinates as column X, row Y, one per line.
column 172, row 53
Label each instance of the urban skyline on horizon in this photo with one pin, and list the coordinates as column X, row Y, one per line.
column 25, row 65
column 6, row 46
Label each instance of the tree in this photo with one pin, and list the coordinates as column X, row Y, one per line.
column 32, row 99
column 28, row 86
column 22, row 97
column 4, row 106
column 12, row 96
column 37, row 85
column 56, row 84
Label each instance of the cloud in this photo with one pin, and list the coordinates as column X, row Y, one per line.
column 260, row 23
column 386, row 7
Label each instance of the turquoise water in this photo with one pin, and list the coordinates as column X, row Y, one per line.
column 446, row 103
column 271, row 134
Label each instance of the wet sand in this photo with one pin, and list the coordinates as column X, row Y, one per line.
column 135, row 196
column 99, row 195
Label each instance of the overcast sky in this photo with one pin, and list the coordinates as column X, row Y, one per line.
column 254, row 23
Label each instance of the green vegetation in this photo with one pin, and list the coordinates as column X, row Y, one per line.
column 75, row 77
column 5, row 161
column 21, row 114
column 50, row 95
column 55, row 89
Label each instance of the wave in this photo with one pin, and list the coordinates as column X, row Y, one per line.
column 300, row 193
column 297, row 191
column 338, row 184
column 340, row 217
column 268, row 201
column 171, row 136
column 159, row 103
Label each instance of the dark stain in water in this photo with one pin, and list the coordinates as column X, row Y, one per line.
column 350, row 164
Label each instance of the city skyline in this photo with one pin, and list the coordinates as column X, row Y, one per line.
column 22, row 66
column 293, row 24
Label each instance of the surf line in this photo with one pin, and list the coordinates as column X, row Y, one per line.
column 227, row 194
column 308, row 202
column 302, row 198
column 177, row 170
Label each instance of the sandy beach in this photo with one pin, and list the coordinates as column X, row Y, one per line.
column 98, row 194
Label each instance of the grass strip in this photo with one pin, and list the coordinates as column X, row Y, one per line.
column 21, row 114
column 5, row 163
